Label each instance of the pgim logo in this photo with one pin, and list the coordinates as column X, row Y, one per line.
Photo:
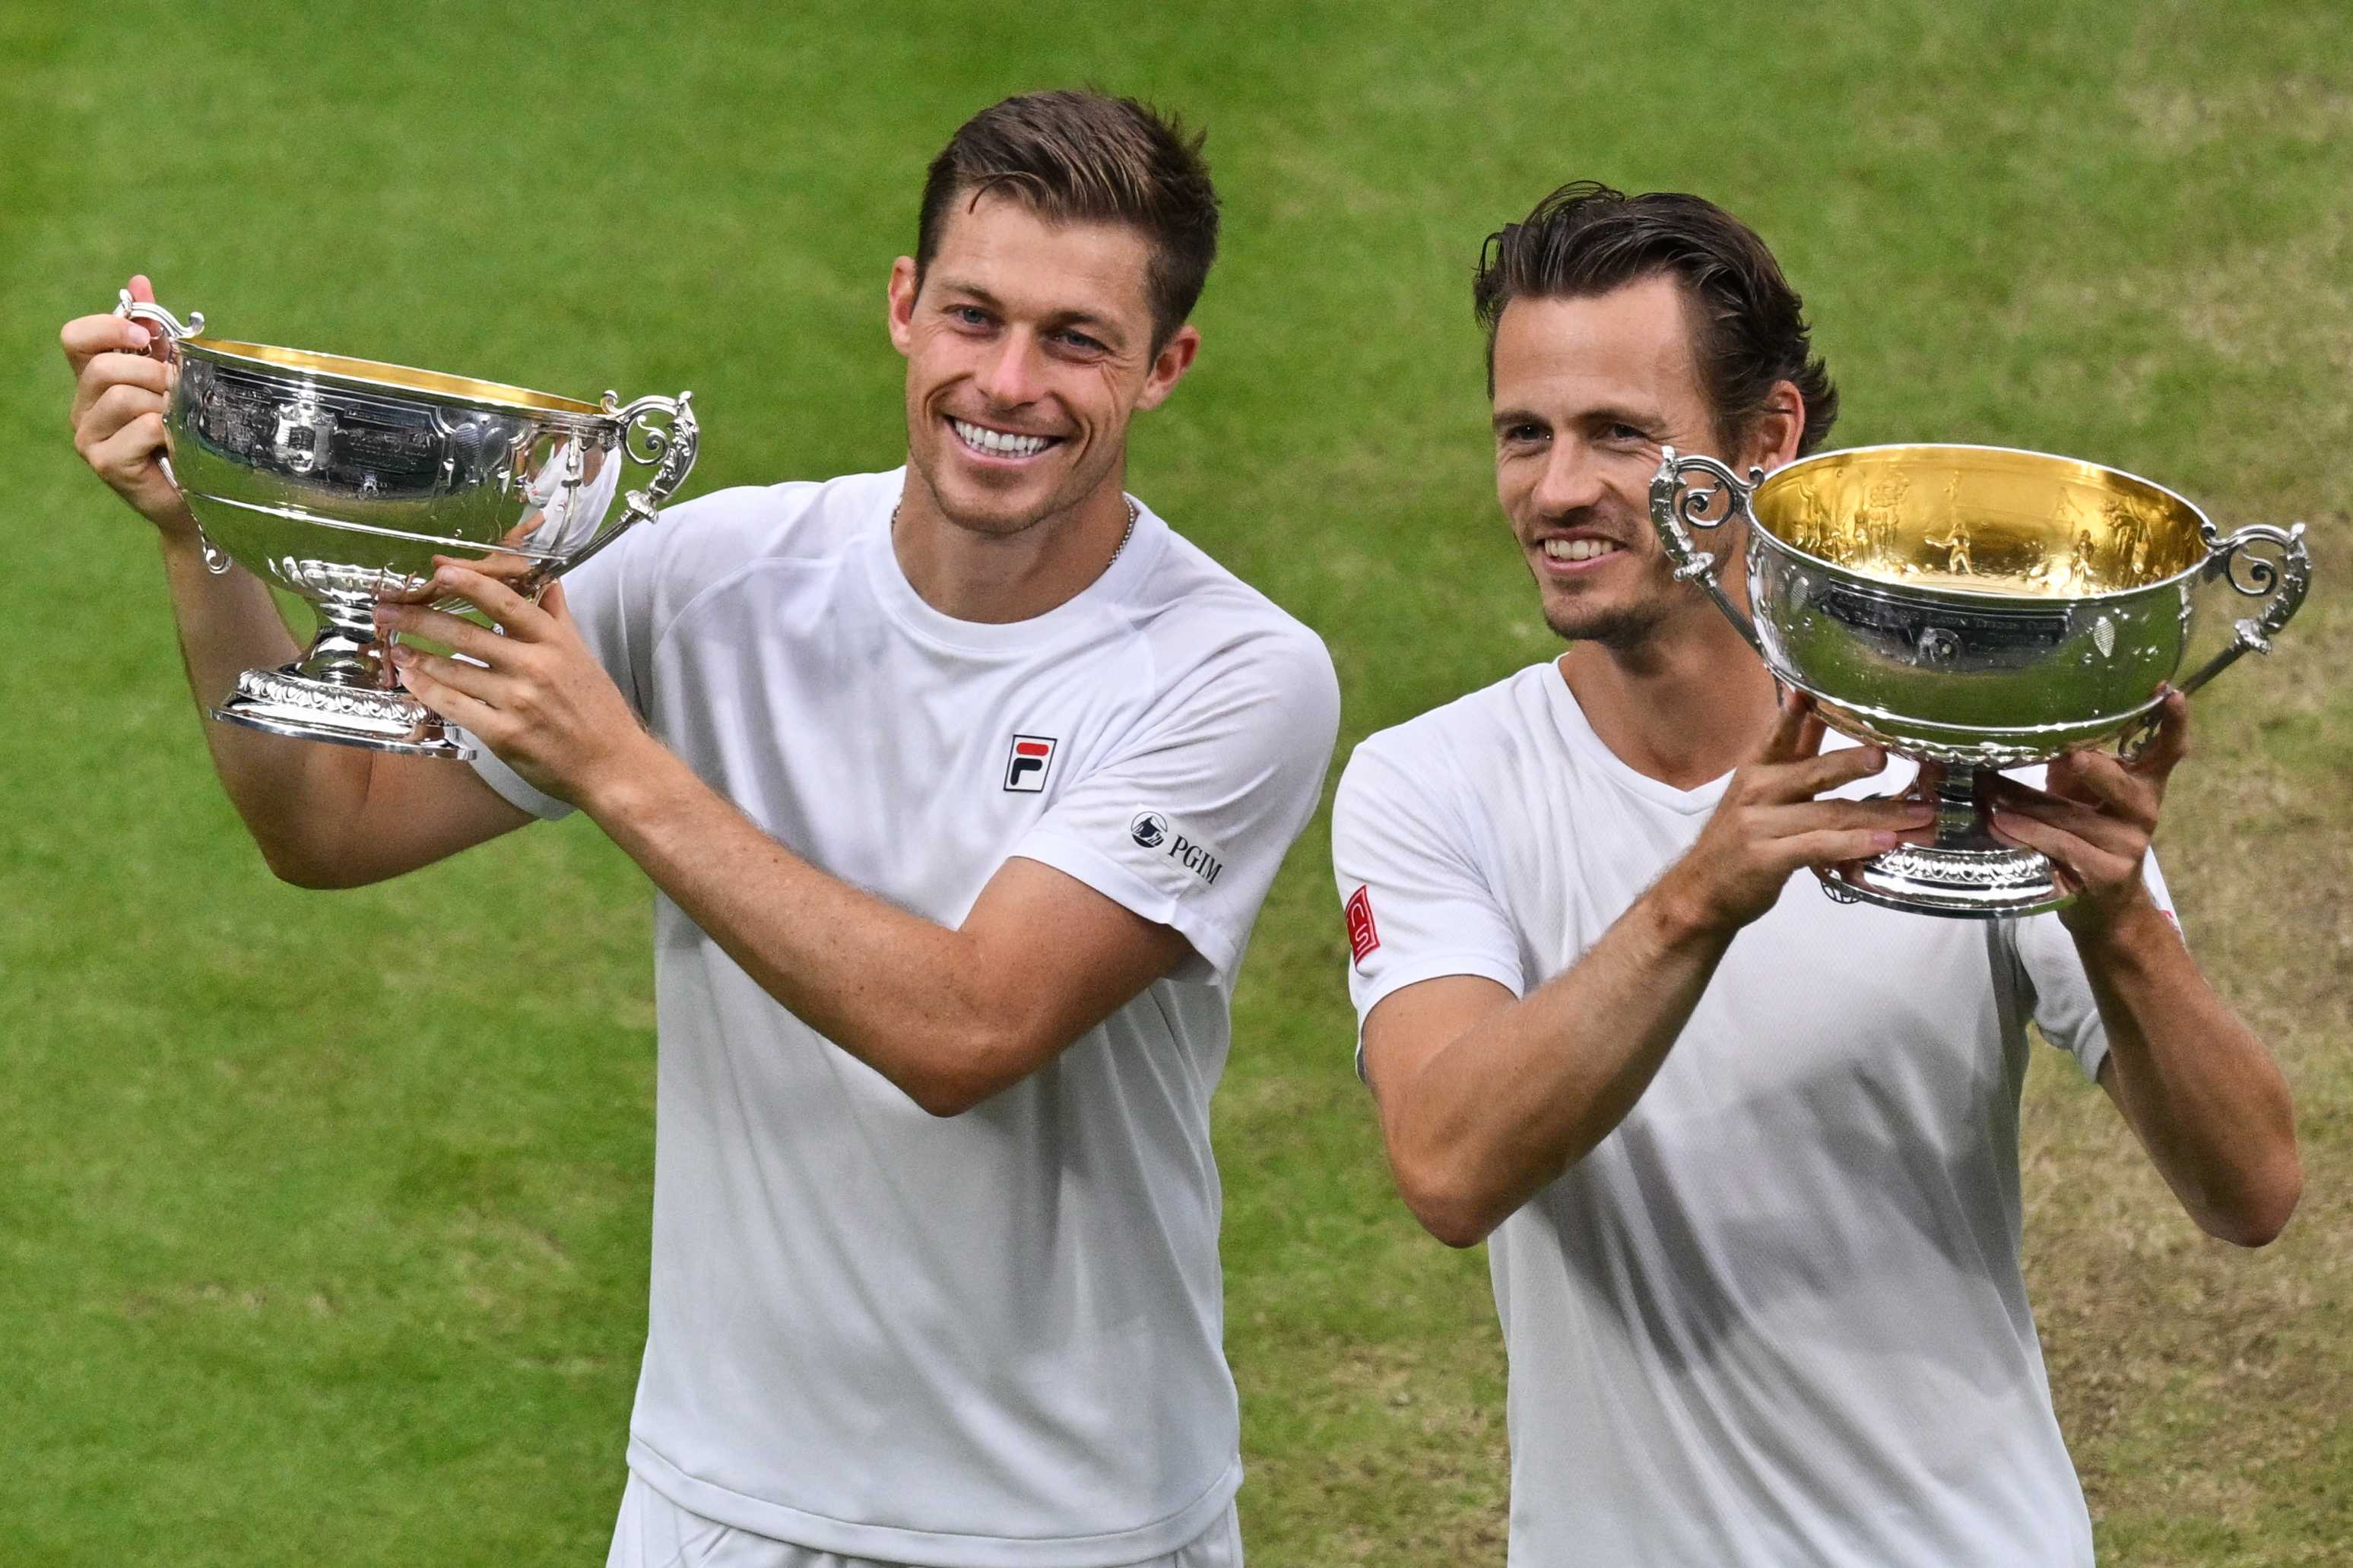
column 1152, row 831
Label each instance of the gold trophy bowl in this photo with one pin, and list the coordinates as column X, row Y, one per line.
column 1975, row 608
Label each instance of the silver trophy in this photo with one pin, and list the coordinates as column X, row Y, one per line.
column 1973, row 608
column 340, row 480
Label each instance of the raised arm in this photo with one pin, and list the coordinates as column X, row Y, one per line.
column 323, row 816
column 2198, row 1087
column 1484, row 1098
column 950, row 1015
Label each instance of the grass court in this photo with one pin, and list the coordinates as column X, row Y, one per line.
column 322, row 1216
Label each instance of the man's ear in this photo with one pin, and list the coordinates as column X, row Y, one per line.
column 1168, row 367
column 1775, row 430
column 905, row 282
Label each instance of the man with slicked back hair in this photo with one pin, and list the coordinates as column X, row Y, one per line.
column 1745, row 1159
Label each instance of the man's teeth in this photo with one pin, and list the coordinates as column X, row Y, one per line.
column 1578, row 548
column 999, row 443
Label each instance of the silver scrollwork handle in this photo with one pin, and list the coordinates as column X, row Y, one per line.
column 661, row 433
column 165, row 332
column 154, row 316
column 2283, row 582
column 1677, row 506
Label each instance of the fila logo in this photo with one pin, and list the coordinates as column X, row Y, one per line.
column 1363, row 938
column 1025, row 765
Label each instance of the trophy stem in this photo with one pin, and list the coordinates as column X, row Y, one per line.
column 1964, row 870
column 341, row 689
column 346, row 650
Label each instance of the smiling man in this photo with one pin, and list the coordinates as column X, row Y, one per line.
column 1748, row 1157
column 961, row 785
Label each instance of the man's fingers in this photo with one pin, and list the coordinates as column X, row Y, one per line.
column 2124, row 831
column 2079, row 861
column 1891, row 815
column 86, row 336
column 473, row 640
column 517, row 615
column 104, row 372
column 2079, row 825
column 2170, row 744
column 1832, row 846
column 124, row 456
column 493, row 689
column 1809, row 776
column 456, row 706
column 2095, row 778
column 114, row 408
column 1786, row 741
column 1811, row 732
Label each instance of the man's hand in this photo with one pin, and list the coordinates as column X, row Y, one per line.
column 117, row 417
column 2094, row 820
column 538, row 698
column 1769, row 824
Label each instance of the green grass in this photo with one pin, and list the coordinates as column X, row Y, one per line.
column 323, row 1226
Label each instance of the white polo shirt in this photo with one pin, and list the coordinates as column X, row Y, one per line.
column 996, row 1339
column 1775, row 1316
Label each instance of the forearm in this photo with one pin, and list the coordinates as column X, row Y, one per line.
column 292, row 796
column 2196, row 1085
column 907, row 996
column 1516, row 1099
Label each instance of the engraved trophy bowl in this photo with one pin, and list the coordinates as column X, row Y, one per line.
column 1975, row 609
column 340, row 480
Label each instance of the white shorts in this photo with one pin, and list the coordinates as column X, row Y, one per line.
column 655, row 1533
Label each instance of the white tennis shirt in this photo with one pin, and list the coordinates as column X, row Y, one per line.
column 1776, row 1317
column 995, row 1339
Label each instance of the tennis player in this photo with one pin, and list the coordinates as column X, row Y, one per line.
column 1745, row 1159
column 961, row 786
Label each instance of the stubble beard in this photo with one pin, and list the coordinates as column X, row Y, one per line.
column 1613, row 625
column 1618, row 629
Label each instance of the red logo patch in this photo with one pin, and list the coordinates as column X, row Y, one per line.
column 1363, row 936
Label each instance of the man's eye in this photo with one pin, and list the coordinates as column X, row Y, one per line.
column 1522, row 435
column 968, row 315
column 1080, row 342
column 1627, row 436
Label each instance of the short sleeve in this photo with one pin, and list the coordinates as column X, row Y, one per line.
column 1186, row 820
column 2065, row 1008
column 606, row 596
column 1416, row 901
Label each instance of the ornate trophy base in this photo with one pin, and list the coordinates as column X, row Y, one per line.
column 1965, row 872
column 338, row 691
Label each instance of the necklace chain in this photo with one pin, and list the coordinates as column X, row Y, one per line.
column 1126, row 534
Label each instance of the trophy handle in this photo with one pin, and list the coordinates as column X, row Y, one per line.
column 165, row 331
column 155, row 317
column 661, row 433
column 1675, row 503
column 2283, row 581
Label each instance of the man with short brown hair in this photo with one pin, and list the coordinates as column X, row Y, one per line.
column 1748, row 1157
column 961, row 786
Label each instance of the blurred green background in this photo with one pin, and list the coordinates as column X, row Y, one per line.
column 323, row 1215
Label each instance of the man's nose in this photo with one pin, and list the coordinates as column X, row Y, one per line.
column 1571, row 479
column 1011, row 377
